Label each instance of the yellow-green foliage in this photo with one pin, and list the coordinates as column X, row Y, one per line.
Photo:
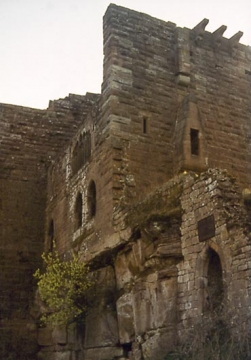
column 63, row 287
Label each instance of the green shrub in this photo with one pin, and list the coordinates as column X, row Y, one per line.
column 64, row 287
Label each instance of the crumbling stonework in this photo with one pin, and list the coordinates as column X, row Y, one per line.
column 149, row 182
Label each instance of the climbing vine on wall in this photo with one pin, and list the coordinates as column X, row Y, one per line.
column 64, row 287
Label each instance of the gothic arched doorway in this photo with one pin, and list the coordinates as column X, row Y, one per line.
column 215, row 288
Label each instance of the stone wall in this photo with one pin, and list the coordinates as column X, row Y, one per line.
column 162, row 282
column 30, row 139
column 160, row 81
column 164, row 110
column 215, row 200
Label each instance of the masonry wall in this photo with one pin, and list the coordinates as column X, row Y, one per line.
column 156, row 290
column 30, row 139
column 160, row 81
column 139, row 67
column 150, row 68
column 65, row 185
column 205, row 300
column 220, row 80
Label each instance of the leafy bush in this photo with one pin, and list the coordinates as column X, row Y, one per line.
column 64, row 287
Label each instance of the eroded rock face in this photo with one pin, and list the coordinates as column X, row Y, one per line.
column 101, row 328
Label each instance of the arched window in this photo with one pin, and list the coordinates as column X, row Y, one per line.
column 81, row 152
column 91, row 200
column 78, row 211
column 215, row 280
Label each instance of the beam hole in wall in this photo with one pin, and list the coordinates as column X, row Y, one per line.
column 78, row 211
column 127, row 347
column 91, row 199
column 215, row 281
column 194, row 141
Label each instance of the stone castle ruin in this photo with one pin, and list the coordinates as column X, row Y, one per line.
column 150, row 181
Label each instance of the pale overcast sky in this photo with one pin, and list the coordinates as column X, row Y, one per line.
column 50, row 48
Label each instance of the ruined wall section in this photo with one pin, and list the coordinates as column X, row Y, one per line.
column 85, row 229
column 137, row 276
column 155, row 286
column 139, row 67
column 215, row 222
column 30, row 139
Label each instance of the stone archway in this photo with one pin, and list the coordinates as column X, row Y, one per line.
column 215, row 289
column 210, row 281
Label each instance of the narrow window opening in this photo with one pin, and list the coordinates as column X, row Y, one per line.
column 51, row 235
column 194, row 140
column 145, row 126
column 92, row 200
column 78, row 211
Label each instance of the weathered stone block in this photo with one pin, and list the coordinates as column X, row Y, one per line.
column 64, row 355
column 59, row 335
column 103, row 353
column 45, row 337
column 158, row 343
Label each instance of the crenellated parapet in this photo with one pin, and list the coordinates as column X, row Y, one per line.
column 188, row 40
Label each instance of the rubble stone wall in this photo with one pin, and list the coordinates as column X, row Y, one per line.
column 214, row 198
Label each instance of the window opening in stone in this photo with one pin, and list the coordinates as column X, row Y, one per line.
column 194, row 140
column 144, row 125
column 81, row 152
column 91, row 200
column 215, row 281
column 51, row 235
column 78, row 211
